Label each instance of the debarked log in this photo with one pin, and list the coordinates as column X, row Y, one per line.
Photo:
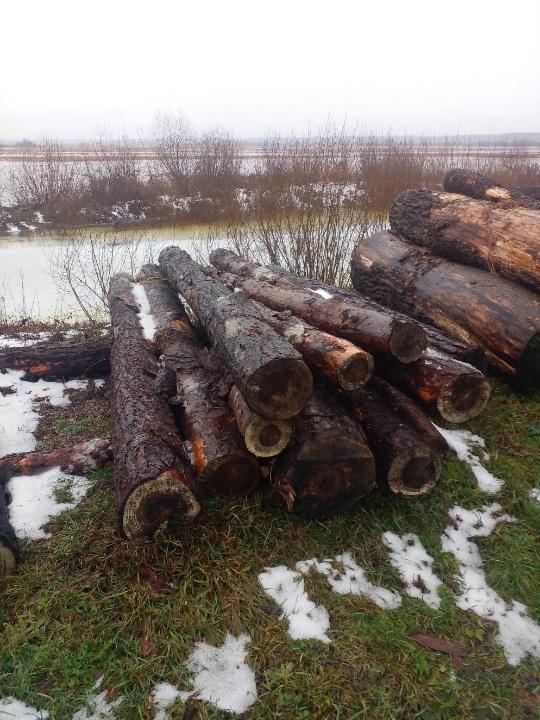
column 59, row 361
column 268, row 371
column 473, row 305
column 264, row 437
column 500, row 240
column 371, row 330
column 9, row 547
column 154, row 481
column 475, row 185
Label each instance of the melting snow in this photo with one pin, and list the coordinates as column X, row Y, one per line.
column 146, row 318
column 414, row 564
column 463, row 442
column 11, row 708
column 322, row 293
column 534, row 494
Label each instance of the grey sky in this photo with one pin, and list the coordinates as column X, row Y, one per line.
column 414, row 66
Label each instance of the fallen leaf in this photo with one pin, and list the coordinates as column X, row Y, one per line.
column 456, row 650
column 148, row 576
column 145, row 646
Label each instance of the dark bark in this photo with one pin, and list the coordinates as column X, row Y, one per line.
column 59, row 361
column 264, row 437
column 478, row 186
column 9, row 547
column 328, row 468
column 475, row 306
column 268, row 371
column 153, row 476
column 371, row 330
column 501, row 240
column 532, row 191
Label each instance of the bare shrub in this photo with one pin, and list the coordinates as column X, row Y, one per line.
column 175, row 149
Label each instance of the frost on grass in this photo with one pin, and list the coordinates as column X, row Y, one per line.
column 11, row 708
column 518, row 633
column 462, row 443
column 346, row 577
column 414, row 564
column 306, row 620
column 146, row 319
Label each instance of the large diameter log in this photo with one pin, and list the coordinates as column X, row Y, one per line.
column 478, row 186
column 473, row 305
column 59, row 361
column 501, row 240
column 264, row 437
column 328, row 468
column 371, row 330
column 154, row 481
column 268, row 371
column 9, row 547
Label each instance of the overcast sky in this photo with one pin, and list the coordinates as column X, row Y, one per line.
column 71, row 67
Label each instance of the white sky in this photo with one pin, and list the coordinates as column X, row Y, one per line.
column 420, row 67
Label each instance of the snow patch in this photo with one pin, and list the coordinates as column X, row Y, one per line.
column 462, row 443
column 11, row 708
column 414, row 564
column 99, row 708
column 322, row 293
column 146, row 319
column 534, row 494
column 165, row 695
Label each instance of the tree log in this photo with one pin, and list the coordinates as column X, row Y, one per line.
column 59, row 361
column 371, row 330
column 9, row 547
column 532, row 191
column 473, row 305
column 328, row 467
column 478, row 186
column 268, row 371
column 264, row 437
column 501, row 240
column 153, row 476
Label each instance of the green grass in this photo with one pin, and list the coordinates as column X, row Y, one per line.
column 75, row 608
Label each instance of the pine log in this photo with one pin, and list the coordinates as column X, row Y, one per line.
column 405, row 465
column 501, row 240
column 328, row 468
column 473, row 305
column 9, row 547
column 59, row 361
column 478, row 186
column 264, row 437
column 153, row 476
column 268, row 371
column 77, row 459
column 373, row 331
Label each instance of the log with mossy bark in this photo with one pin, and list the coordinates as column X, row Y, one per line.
column 264, row 437
column 9, row 547
column 271, row 375
column 154, row 479
column 328, row 467
column 59, row 360
column 480, row 187
column 371, row 330
column 473, row 305
column 501, row 240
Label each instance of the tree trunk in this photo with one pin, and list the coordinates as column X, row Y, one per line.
column 328, row 467
column 263, row 437
column 59, row 361
column 268, row 371
column 9, row 547
column 371, row 330
column 153, row 476
column 77, row 459
column 478, row 186
column 501, row 240
column 473, row 305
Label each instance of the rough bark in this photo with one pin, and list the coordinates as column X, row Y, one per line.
column 405, row 465
column 371, row 330
column 9, row 547
column 501, row 240
column 532, row 191
column 59, row 361
column 473, row 305
column 328, row 467
column 478, row 186
column 153, row 476
column 76, row 459
column 264, row 437
column 268, row 371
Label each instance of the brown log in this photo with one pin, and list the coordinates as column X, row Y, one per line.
column 328, row 467
column 9, row 547
column 478, row 186
column 500, row 240
column 264, row 437
column 268, row 371
column 59, row 361
column 473, row 305
column 153, row 476
column 405, row 465
column 371, row 330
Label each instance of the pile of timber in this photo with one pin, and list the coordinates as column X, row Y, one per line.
column 466, row 260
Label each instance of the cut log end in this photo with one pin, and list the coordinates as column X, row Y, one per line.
column 280, row 389
column 8, row 559
column 407, row 341
column 230, row 475
column 156, row 501
column 464, row 397
column 414, row 472
column 266, row 437
column 355, row 371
